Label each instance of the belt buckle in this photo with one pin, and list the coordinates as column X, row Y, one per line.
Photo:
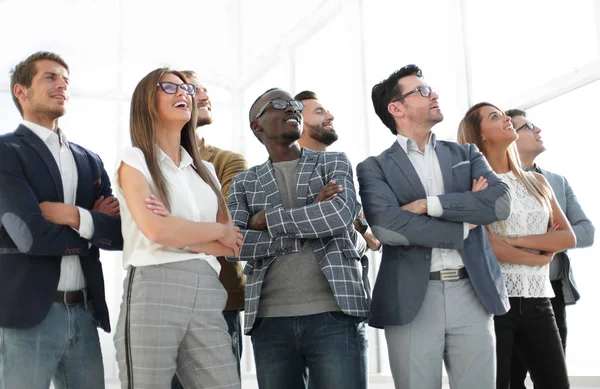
column 449, row 275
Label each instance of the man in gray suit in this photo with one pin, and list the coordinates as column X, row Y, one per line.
column 439, row 282
column 305, row 300
column 530, row 146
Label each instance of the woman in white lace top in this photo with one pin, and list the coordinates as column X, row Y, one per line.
column 524, row 245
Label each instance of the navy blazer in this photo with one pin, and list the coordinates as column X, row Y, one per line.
column 389, row 181
column 31, row 247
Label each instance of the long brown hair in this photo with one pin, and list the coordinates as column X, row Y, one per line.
column 469, row 131
column 143, row 122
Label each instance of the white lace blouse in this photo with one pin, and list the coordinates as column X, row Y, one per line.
column 528, row 217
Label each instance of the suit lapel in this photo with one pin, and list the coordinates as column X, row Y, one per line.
column 266, row 178
column 308, row 160
column 400, row 158
column 445, row 159
column 84, row 196
column 40, row 147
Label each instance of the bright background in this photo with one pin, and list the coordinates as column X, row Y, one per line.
column 539, row 55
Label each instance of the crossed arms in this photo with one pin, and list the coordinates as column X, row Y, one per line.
column 272, row 231
column 396, row 226
column 48, row 229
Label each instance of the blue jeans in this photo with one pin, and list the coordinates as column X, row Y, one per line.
column 331, row 347
column 234, row 326
column 64, row 348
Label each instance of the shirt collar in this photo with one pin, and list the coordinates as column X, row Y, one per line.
column 535, row 168
column 43, row 133
column 186, row 159
column 408, row 144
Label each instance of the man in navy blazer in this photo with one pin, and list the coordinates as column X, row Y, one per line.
column 439, row 282
column 56, row 212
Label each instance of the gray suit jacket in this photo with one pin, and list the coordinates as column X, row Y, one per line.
column 328, row 225
column 389, row 181
column 582, row 226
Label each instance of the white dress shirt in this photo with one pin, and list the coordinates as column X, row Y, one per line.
column 71, row 275
column 190, row 198
column 428, row 169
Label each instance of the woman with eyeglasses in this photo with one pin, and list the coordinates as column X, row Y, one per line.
column 174, row 222
column 524, row 244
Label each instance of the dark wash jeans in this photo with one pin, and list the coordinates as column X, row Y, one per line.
column 331, row 347
column 519, row 370
column 530, row 327
column 234, row 326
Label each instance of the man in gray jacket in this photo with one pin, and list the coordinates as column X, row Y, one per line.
column 439, row 282
column 530, row 146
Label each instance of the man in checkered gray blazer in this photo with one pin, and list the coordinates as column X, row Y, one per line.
column 305, row 299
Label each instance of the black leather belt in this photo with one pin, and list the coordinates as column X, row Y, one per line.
column 70, row 298
column 449, row 275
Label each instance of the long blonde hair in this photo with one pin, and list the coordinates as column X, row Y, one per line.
column 469, row 131
column 143, row 122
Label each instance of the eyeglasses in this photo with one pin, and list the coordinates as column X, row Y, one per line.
column 529, row 126
column 281, row 104
column 425, row 91
column 171, row 88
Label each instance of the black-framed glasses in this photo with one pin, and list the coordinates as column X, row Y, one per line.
column 171, row 88
column 529, row 126
column 425, row 91
column 281, row 104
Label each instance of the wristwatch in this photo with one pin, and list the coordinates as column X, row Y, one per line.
column 362, row 225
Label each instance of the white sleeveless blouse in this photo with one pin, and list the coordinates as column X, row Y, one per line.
column 528, row 217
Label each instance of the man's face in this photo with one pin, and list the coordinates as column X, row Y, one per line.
column 203, row 103
column 283, row 126
column 530, row 140
column 419, row 110
column 318, row 121
column 49, row 91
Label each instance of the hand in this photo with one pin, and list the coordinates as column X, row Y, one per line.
column 258, row 221
column 156, row 206
column 107, row 205
column 546, row 258
column 479, row 184
column 232, row 238
column 328, row 192
column 372, row 242
column 555, row 227
column 418, row 206
column 240, row 237
column 60, row 213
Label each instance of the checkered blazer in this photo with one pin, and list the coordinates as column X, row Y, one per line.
column 327, row 224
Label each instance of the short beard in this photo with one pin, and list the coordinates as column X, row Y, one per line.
column 321, row 135
column 204, row 121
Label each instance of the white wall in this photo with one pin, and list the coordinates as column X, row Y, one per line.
column 505, row 52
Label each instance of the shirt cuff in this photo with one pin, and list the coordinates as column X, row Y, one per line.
column 466, row 230
column 86, row 224
column 434, row 207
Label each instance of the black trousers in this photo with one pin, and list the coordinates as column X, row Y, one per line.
column 518, row 370
column 530, row 327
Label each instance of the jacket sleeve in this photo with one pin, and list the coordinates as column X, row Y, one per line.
column 483, row 207
column 234, row 166
column 256, row 244
column 21, row 216
column 321, row 219
column 582, row 226
column 394, row 226
column 107, row 229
